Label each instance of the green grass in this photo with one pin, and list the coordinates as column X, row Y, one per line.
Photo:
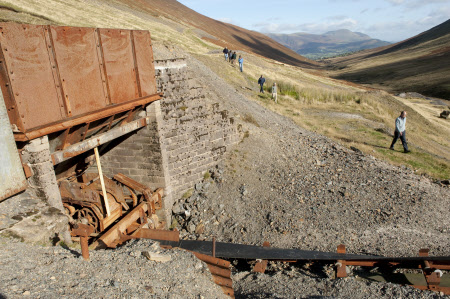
column 188, row 193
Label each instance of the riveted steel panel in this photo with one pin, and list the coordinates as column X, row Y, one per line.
column 30, row 74
column 119, row 64
column 79, row 68
column 12, row 178
column 144, row 61
column 54, row 78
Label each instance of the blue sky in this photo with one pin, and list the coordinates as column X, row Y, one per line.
column 389, row 20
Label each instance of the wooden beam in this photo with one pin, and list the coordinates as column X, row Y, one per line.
column 102, row 182
column 114, row 233
column 93, row 142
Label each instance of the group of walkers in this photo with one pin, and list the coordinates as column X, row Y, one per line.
column 400, row 122
column 261, row 82
column 230, row 56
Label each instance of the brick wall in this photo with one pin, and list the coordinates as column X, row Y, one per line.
column 195, row 131
column 186, row 136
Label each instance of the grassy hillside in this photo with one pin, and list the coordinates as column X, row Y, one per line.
column 138, row 13
column 348, row 113
column 419, row 64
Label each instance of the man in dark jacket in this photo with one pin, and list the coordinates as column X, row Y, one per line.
column 261, row 82
column 225, row 53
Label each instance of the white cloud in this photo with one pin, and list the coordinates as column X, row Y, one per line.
column 415, row 4
column 403, row 29
column 396, row 2
column 317, row 28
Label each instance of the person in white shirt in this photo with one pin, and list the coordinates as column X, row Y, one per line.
column 274, row 92
column 400, row 131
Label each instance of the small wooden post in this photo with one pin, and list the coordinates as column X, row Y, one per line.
column 102, row 182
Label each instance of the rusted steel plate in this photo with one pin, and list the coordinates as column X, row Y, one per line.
column 144, row 61
column 54, row 78
column 261, row 265
column 157, row 234
column 68, row 123
column 12, row 178
column 222, row 281
column 82, row 230
column 119, row 64
column 212, row 260
column 131, row 183
column 79, row 68
column 219, row 271
column 30, row 74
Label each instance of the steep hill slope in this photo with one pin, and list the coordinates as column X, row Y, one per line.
column 329, row 44
column 417, row 64
column 214, row 31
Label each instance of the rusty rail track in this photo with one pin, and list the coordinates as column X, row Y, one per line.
column 431, row 266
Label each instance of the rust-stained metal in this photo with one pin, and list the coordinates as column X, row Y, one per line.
column 86, row 201
column 54, row 78
column 261, row 265
column 431, row 269
column 71, row 122
column 83, row 231
column 12, row 179
column 220, row 271
column 113, row 236
column 341, row 266
column 118, row 233
column 119, row 64
column 27, row 170
column 157, row 234
column 154, row 200
column 76, row 55
column 432, row 274
column 32, row 89
column 144, row 62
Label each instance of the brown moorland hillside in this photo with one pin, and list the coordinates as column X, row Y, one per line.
column 136, row 14
column 419, row 64
column 223, row 34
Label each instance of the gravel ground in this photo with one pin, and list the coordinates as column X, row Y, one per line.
column 281, row 184
column 295, row 188
column 53, row 272
column 293, row 284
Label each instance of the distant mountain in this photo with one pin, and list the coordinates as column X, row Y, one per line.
column 419, row 64
column 332, row 43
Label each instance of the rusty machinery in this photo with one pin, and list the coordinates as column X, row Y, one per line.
column 84, row 201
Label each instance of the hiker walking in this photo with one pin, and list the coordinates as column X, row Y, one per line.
column 225, row 53
column 400, row 131
column 274, row 92
column 230, row 53
column 233, row 58
column 261, row 82
column 241, row 63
